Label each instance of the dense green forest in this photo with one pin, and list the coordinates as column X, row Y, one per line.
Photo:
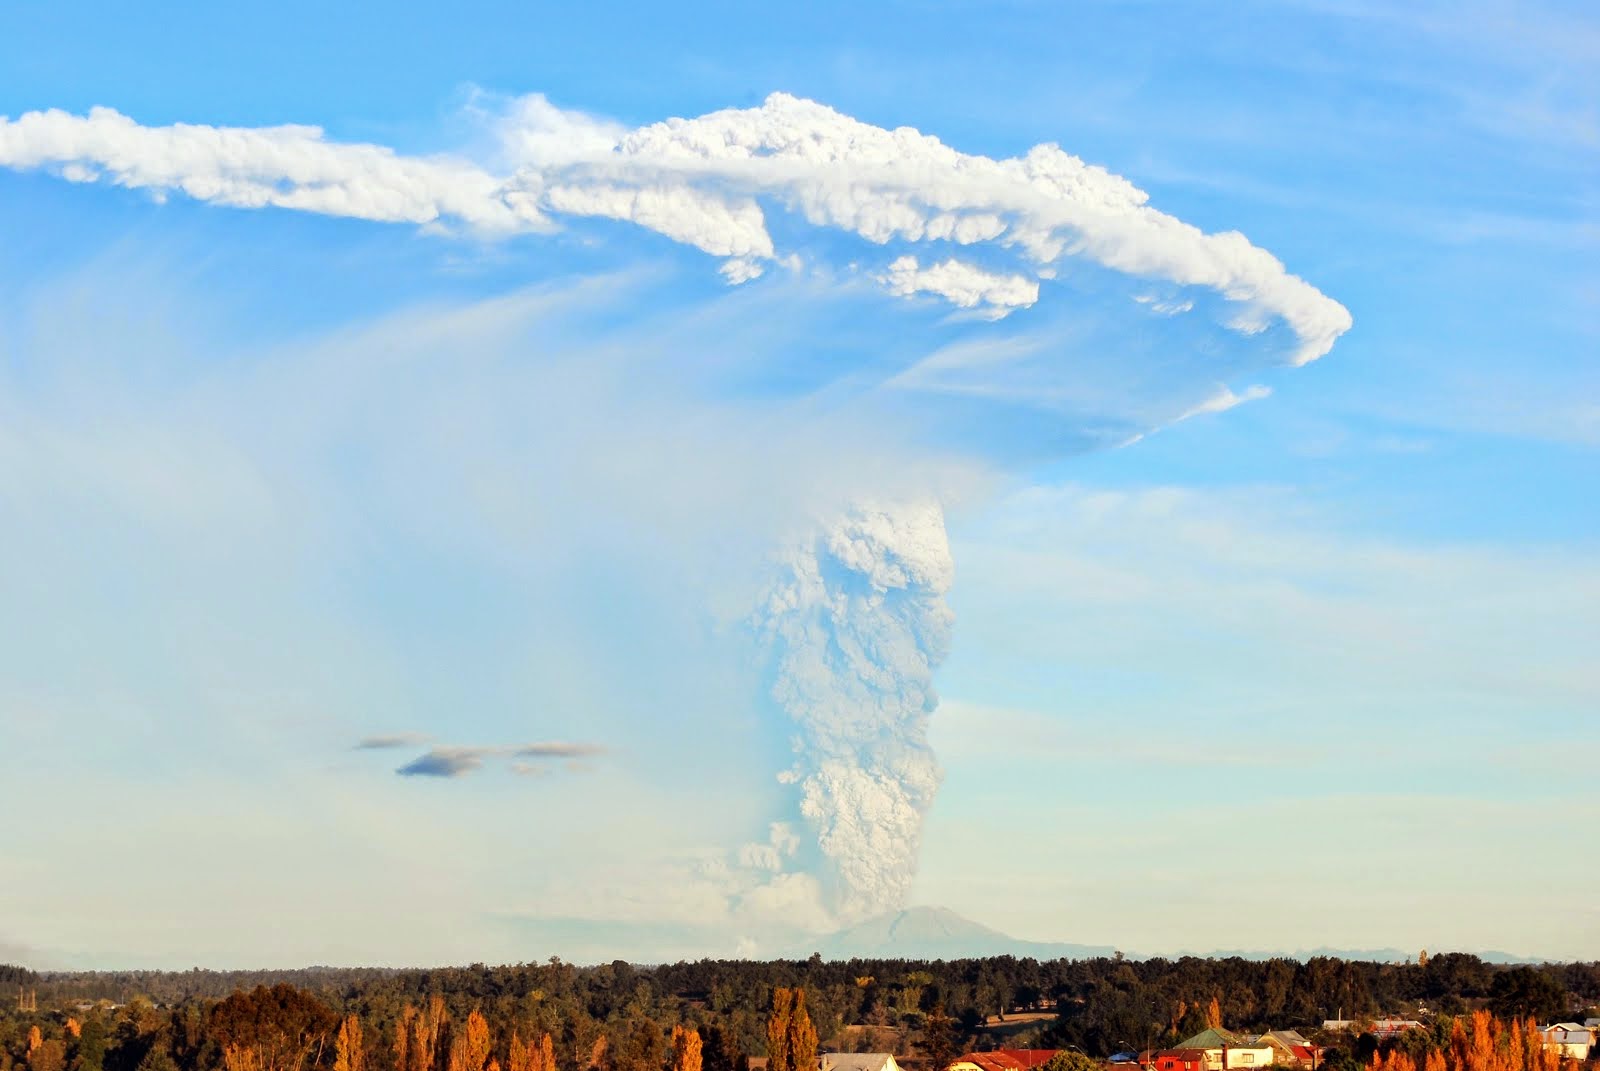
column 620, row 1017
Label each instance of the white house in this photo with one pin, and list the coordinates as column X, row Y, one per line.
column 1568, row 1039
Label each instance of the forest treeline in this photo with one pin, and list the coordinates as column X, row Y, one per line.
column 621, row 1017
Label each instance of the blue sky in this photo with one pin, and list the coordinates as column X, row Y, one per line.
column 276, row 481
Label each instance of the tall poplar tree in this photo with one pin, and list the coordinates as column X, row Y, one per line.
column 404, row 1030
column 802, row 1036
column 779, row 1055
column 686, row 1046
column 348, row 1051
column 469, row 1050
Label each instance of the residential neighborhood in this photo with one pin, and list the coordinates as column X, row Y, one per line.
column 1220, row 1049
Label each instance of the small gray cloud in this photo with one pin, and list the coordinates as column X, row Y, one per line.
column 558, row 750
column 460, row 761
column 446, row 762
column 391, row 740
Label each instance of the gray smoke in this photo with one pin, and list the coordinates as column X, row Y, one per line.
column 857, row 623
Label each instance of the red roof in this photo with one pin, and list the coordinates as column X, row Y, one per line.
column 1010, row 1059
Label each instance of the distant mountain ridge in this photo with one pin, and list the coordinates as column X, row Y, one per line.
column 1374, row 955
column 939, row 933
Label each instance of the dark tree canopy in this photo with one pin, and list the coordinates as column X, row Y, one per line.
column 618, row 1016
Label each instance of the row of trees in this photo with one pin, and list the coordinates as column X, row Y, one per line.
column 283, row 1028
column 1249, row 989
column 1101, row 1006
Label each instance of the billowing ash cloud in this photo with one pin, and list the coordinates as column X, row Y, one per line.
column 858, row 622
column 993, row 229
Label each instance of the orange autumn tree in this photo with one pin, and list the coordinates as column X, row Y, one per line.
column 802, row 1036
column 1484, row 1043
column 535, row 1057
column 348, row 1052
column 778, row 1030
column 416, row 1036
column 48, row 1055
column 686, row 1046
column 791, row 1039
column 469, row 1050
column 402, row 1038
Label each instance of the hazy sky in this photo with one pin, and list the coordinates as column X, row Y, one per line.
column 668, row 480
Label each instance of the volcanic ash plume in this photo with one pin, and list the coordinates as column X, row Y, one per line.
column 857, row 623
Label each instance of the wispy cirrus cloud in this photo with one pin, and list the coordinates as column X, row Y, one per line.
column 1225, row 399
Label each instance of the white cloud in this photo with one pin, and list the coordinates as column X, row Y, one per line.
column 710, row 182
column 961, row 284
column 741, row 270
column 293, row 167
column 1224, row 399
column 531, row 132
column 1164, row 308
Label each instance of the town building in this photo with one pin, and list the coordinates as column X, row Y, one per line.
column 1382, row 1029
column 1290, row 1048
column 1004, row 1060
column 1568, row 1040
column 1180, row 1060
column 1226, row 1051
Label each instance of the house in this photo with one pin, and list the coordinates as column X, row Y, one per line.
column 1212, row 1037
column 1568, row 1040
column 858, row 1061
column 1180, row 1060
column 1382, row 1029
column 1226, row 1051
column 1004, row 1060
column 1290, row 1048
